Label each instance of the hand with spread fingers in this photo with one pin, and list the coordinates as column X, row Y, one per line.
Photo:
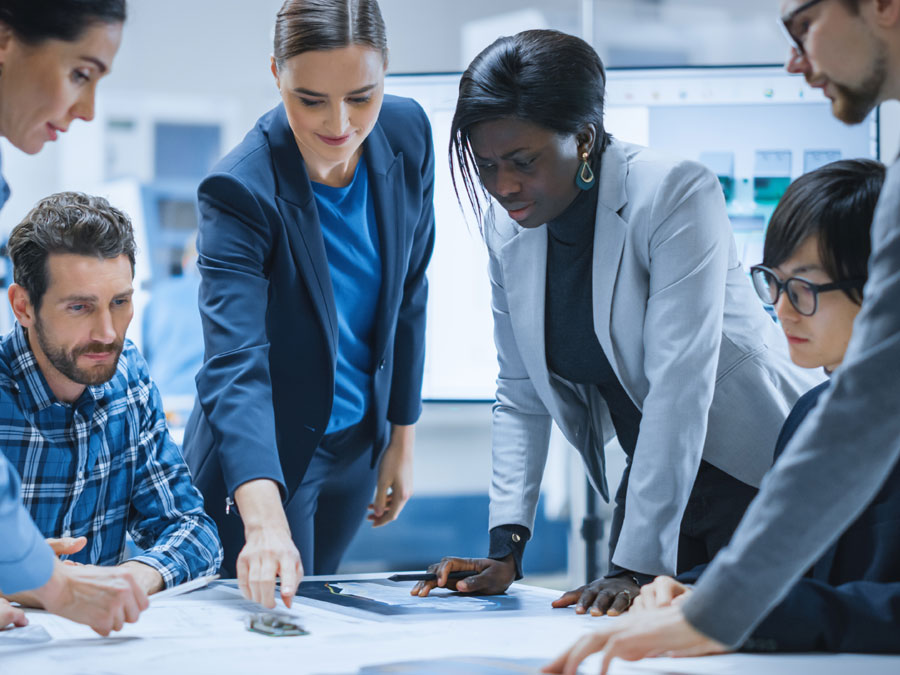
column 658, row 632
column 612, row 596
column 663, row 592
column 493, row 578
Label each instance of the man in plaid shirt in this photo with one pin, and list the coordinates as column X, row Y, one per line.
column 80, row 418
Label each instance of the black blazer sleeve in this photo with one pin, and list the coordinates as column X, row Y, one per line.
column 859, row 616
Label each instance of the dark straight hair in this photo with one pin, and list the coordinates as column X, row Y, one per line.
column 551, row 79
column 34, row 21
column 836, row 203
column 311, row 25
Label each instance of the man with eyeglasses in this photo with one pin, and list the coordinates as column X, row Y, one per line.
column 840, row 456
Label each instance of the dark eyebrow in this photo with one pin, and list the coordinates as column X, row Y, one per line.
column 78, row 298
column 508, row 155
column 517, row 151
column 308, row 92
column 94, row 298
column 806, row 268
column 102, row 67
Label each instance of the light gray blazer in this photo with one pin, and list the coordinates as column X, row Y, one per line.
column 682, row 329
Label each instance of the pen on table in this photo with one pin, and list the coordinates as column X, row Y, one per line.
column 427, row 576
column 186, row 587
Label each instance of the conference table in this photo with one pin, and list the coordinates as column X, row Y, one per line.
column 361, row 624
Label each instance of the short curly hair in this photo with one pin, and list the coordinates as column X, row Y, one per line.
column 67, row 222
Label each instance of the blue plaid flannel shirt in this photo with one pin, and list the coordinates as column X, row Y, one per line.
column 103, row 466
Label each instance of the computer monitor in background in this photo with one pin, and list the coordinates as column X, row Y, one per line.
column 757, row 128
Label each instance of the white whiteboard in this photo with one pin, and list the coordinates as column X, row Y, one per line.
column 686, row 112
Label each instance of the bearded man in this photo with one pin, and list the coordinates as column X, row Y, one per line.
column 80, row 418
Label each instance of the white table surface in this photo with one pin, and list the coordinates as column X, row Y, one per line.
column 203, row 632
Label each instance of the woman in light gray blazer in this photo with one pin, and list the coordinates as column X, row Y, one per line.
column 620, row 309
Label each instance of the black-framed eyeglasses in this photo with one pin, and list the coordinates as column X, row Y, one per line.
column 803, row 294
column 793, row 30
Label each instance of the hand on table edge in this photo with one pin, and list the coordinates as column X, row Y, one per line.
column 664, row 591
column 493, row 578
column 659, row 632
column 11, row 615
column 609, row 595
column 104, row 598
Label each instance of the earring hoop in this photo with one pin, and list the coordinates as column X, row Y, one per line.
column 584, row 179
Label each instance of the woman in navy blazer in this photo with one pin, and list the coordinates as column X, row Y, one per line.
column 315, row 233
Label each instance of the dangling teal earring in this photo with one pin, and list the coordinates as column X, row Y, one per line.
column 584, row 179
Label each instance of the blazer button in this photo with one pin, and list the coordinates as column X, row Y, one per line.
column 516, row 538
column 381, row 365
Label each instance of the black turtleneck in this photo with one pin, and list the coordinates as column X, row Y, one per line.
column 573, row 350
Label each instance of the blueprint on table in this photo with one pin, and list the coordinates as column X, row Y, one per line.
column 384, row 598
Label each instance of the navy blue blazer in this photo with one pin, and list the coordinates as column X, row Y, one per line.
column 850, row 600
column 266, row 387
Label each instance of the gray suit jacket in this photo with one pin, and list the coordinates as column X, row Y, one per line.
column 684, row 332
column 833, row 467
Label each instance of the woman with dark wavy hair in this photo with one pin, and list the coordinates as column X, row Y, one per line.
column 620, row 309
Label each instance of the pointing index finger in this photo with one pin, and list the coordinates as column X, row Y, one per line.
column 290, row 579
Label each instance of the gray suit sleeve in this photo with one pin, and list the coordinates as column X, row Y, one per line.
column 834, row 466
column 520, row 426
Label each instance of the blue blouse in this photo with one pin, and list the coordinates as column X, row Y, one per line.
column 347, row 217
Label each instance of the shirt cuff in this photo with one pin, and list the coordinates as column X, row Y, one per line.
column 509, row 539
column 171, row 573
column 637, row 577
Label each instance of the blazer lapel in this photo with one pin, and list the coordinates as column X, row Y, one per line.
column 609, row 242
column 524, row 261
column 298, row 208
column 386, row 186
